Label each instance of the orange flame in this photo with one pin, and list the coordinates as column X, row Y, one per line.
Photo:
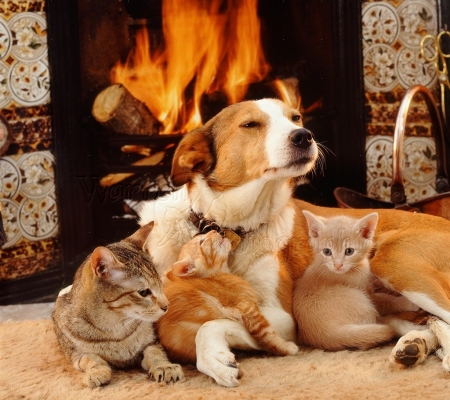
column 212, row 45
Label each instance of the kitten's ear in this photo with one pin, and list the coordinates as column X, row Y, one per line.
column 138, row 238
column 183, row 268
column 315, row 225
column 367, row 225
column 104, row 265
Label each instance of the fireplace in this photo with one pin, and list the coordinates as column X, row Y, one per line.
column 317, row 43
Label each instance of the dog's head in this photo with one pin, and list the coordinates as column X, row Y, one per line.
column 246, row 141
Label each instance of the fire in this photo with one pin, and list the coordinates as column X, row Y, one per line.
column 209, row 46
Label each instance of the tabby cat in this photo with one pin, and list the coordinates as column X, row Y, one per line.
column 332, row 301
column 200, row 288
column 107, row 317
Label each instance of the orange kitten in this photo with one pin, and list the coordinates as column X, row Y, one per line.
column 200, row 289
column 332, row 300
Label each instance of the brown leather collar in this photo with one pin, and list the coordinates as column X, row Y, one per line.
column 205, row 225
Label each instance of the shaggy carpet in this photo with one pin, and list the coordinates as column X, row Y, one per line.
column 33, row 367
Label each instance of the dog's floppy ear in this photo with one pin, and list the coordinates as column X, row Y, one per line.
column 193, row 155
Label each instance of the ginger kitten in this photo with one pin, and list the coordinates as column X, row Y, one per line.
column 332, row 301
column 200, row 288
column 107, row 317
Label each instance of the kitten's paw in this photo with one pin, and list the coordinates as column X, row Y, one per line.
column 291, row 349
column 221, row 366
column 97, row 375
column 409, row 351
column 167, row 373
column 446, row 363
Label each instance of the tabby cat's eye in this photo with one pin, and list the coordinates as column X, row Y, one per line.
column 349, row 251
column 327, row 252
column 145, row 292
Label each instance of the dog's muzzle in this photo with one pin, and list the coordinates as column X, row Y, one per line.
column 302, row 138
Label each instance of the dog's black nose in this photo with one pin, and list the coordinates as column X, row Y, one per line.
column 302, row 138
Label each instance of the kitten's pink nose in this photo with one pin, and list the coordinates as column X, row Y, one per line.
column 338, row 266
column 164, row 304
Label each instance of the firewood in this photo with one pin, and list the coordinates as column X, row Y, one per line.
column 113, row 179
column 118, row 110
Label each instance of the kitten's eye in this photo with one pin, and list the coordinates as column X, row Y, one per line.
column 145, row 292
column 327, row 252
column 296, row 118
column 349, row 251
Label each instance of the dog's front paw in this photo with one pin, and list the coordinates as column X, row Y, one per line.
column 409, row 350
column 221, row 366
column 97, row 375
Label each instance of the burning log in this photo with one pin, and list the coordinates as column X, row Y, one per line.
column 118, row 110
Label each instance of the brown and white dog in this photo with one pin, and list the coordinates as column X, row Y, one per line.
column 238, row 173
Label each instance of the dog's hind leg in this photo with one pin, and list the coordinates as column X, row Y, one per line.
column 416, row 343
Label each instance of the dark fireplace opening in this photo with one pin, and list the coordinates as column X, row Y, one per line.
column 317, row 43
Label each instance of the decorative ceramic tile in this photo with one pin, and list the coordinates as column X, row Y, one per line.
column 37, row 174
column 24, row 73
column 9, row 178
column 29, row 32
column 380, row 24
column 29, row 83
column 418, row 18
column 38, row 218
column 412, row 69
column 28, row 197
column 5, row 39
column 379, row 68
column 9, row 214
column 5, row 93
column 419, row 167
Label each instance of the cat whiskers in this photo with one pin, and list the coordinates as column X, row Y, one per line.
column 127, row 320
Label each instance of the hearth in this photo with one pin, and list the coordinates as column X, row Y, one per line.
column 313, row 47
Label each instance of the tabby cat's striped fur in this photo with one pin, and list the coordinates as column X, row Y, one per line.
column 200, row 288
column 107, row 317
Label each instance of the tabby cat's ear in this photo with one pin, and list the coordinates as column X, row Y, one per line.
column 183, row 268
column 367, row 225
column 138, row 238
column 315, row 225
column 104, row 265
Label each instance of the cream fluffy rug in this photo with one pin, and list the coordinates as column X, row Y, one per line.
column 32, row 367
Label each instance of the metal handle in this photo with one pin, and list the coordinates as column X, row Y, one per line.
column 398, row 196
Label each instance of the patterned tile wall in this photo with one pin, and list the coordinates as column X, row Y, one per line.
column 392, row 32
column 27, row 182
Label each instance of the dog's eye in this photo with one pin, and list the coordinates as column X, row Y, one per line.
column 250, row 124
column 145, row 292
column 296, row 118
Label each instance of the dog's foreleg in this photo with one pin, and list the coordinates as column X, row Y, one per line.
column 442, row 331
column 213, row 343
